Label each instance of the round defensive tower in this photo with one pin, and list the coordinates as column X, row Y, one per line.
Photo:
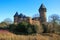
column 42, row 12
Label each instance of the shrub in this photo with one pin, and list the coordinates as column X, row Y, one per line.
column 23, row 28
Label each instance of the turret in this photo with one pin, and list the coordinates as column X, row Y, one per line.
column 21, row 15
column 42, row 12
column 16, row 18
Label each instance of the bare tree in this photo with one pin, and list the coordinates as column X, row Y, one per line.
column 54, row 18
column 8, row 21
column 35, row 15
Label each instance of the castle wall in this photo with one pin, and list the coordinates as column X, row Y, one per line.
column 15, row 20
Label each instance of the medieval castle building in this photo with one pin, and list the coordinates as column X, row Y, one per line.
column 36, row 20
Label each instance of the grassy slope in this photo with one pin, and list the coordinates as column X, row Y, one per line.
column 5, row 35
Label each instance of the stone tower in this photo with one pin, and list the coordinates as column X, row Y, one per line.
column 16, row 18
column 42, row 11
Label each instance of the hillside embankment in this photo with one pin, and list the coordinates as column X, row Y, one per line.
column 5, row 35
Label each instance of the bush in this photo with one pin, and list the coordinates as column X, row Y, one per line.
column 44, row 28
column 31, row 29
column 23, row 28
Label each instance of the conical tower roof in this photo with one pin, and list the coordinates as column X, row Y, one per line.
column 21, row 15
column 16, row 14
column 42, row 6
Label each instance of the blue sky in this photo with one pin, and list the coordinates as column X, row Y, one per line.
column 27, row 7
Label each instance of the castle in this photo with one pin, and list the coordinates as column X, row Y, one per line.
column 36, row 20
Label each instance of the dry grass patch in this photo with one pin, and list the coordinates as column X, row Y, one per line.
column 10, row 36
